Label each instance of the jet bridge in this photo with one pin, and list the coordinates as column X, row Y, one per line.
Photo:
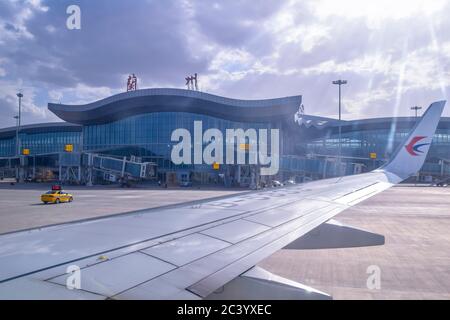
column 76, row 167
column 118, row 169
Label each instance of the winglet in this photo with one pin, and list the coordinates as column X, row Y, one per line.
column 411, row 154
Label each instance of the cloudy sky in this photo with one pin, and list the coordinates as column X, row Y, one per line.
column 394, row 54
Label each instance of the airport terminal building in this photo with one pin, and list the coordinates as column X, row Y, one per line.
column 128, row 136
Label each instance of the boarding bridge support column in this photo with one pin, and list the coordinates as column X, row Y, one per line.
column 70, row 167
column 89, row 170
column 123, row 166
column 60, row 167
column 21, row 168
column 34, row 167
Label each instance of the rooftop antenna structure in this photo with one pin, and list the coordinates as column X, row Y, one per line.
column 298, row 117
column 416, row 108
column 188, row 82
column 196, row 81
column 192, row 82
column 301, row 109
column 132, row 82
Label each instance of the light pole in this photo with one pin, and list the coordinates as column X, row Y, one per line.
column 17, row 133
column 339, row 83
column 20, row 96
column 416, row 108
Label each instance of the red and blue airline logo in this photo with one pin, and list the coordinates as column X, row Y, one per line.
column 413, row 148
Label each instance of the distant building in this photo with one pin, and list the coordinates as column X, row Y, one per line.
column 138, row 125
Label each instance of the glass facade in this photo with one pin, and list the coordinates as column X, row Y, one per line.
column 50, row 142
column 7, row 147
column 304, row 151
column 41, row 143
column 361, row 143
column 149, row 135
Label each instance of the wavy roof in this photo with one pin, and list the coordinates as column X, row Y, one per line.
column 177, row 100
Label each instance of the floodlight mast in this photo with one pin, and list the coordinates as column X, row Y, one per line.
column 416, row 108
column 339, row 83
column 20, row 96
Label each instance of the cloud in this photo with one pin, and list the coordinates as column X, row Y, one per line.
column 239, row 49
column 30, row 111
column 375, row 11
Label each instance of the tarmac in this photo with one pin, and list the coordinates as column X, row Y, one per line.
column 414, row 263
column 21, row 208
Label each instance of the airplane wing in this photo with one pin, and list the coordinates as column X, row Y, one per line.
column 193, row 251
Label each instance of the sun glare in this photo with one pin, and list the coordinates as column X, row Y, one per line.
column 376, row 11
